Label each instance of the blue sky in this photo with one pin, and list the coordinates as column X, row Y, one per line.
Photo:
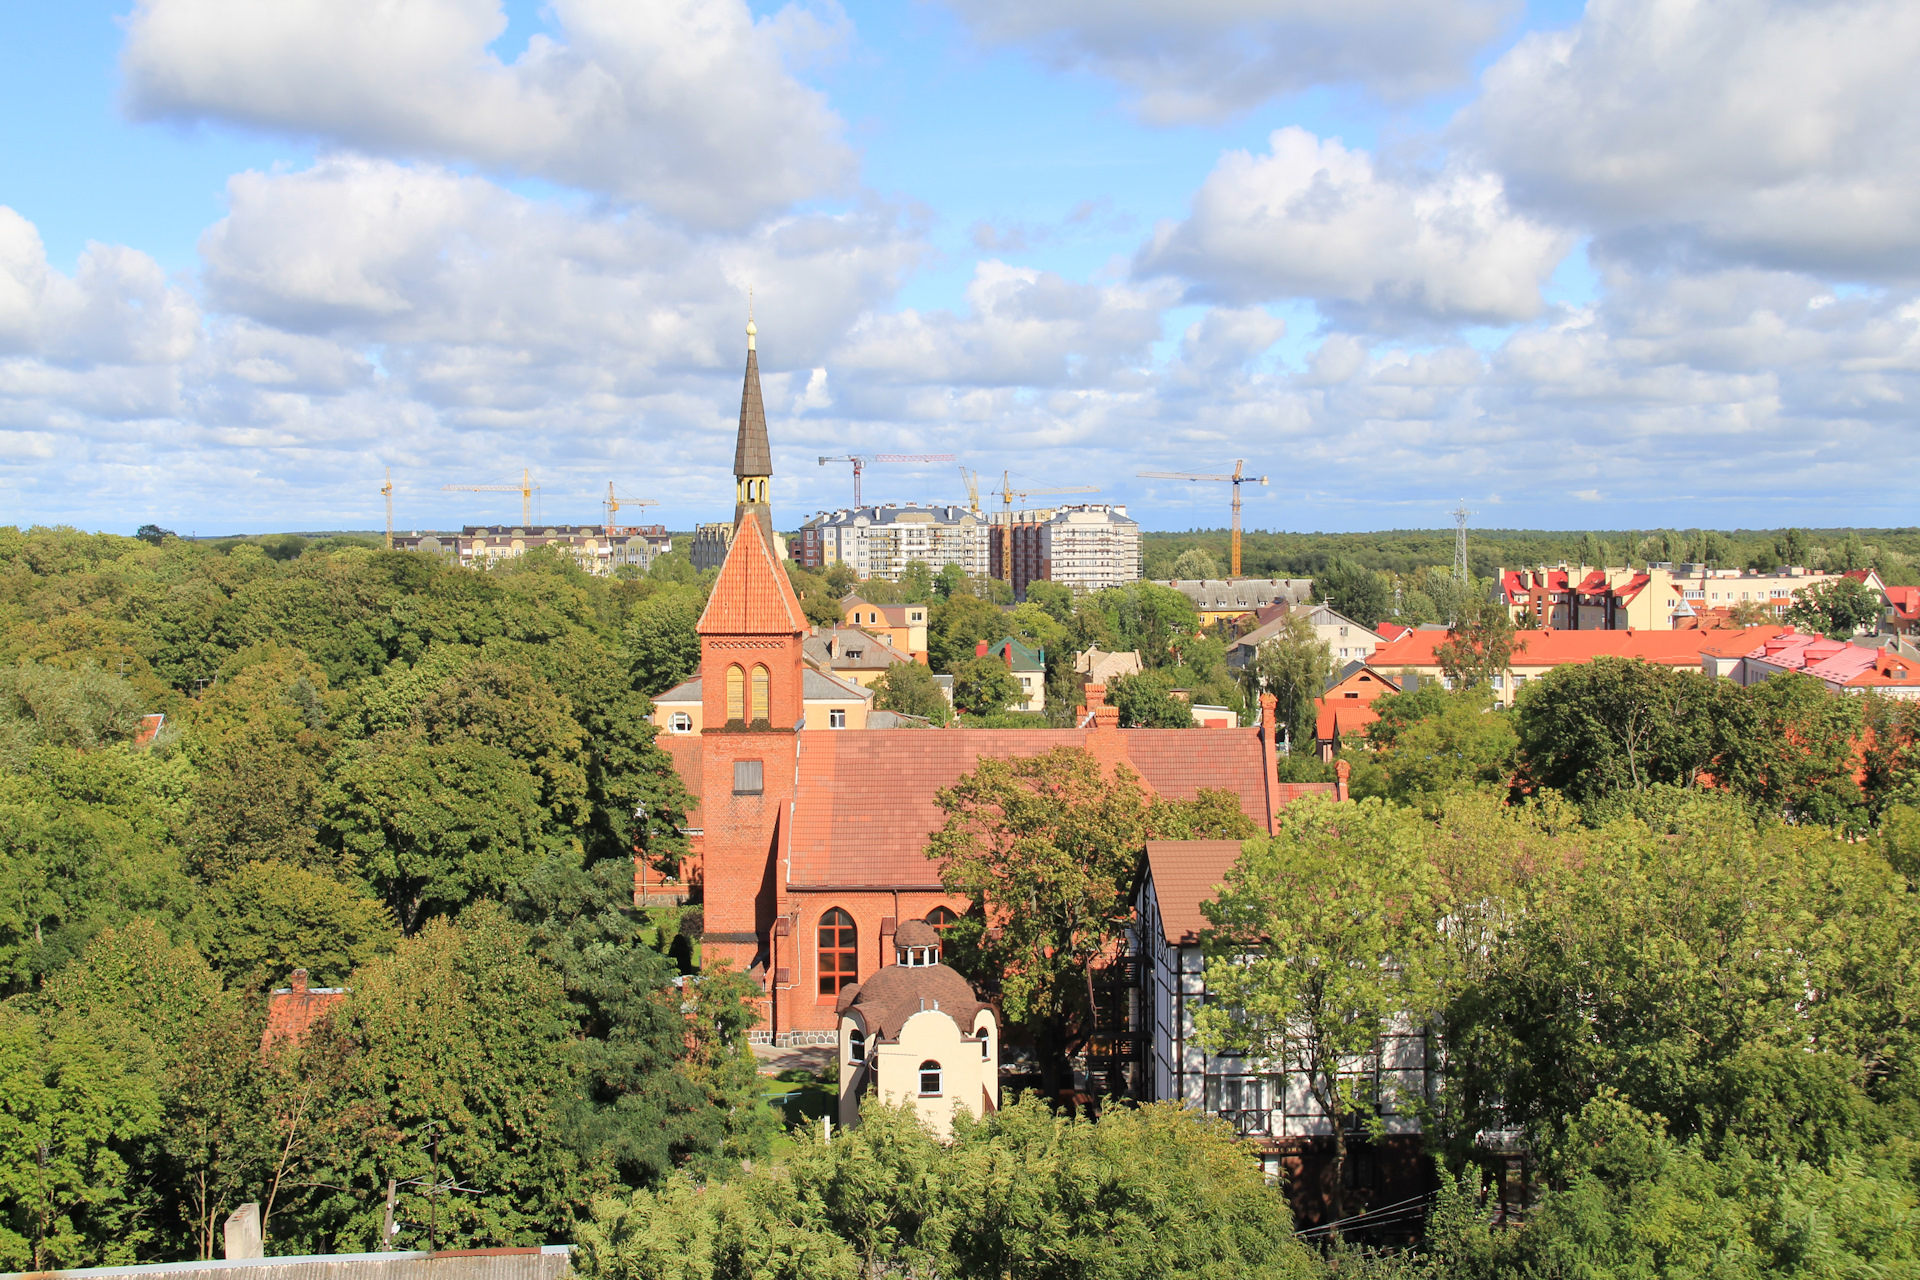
column 1640, row 263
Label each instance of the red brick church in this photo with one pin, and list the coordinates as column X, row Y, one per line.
column 809, row 842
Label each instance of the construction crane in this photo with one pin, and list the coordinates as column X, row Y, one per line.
column 614, row 504
column 526, row 489
column 860, row 463
column 387, row 491
column 1236, row 479
column 972, row 481
column 1007, row 494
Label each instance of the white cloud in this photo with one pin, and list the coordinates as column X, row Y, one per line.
column 681, row 105
column 1023, row 328
column 1778, row 132
column 1201, row 60
column 117, row 309
column 1313, row 219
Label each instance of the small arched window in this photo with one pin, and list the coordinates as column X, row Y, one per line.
column 857, row 1045
column 929, row 1079
column 759, row 693
column 941, row 917
column 736, row 693
column 839, row 952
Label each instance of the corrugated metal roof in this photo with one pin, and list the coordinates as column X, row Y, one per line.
column 547, row 1262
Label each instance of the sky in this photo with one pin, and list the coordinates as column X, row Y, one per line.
column 1632, row 264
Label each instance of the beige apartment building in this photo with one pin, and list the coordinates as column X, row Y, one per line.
column 599, row 549
column 1660, row 597
column 880, row 542
column 1346, row 639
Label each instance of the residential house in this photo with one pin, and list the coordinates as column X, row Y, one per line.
column 1264, row 1101
column 1843, row 666
column 1029, row 668
column 1230, row 599
column 293, row 1009
column 904, row 626
column 1096, row 666
column 851, row 653
column 1538, row 652
column 829, row 701
column 1347, row 705
column 916, row 1035
column 1902, row 614
column 1659, row 597
column 1346, row 639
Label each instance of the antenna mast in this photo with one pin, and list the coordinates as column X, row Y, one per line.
column 1460, row 515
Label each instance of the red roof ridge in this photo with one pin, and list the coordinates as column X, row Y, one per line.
column 753, row 596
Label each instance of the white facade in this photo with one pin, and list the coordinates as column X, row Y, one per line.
column 880, row 542
column 1091, row 547
column 1260, row 1098
column 599, row 549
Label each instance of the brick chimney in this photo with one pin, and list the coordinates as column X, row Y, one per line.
column 299, row 982
column 980, row 648
column 1270, row 752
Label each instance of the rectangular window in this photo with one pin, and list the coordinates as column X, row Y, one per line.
column 836, row 719
column 746, row 777
column 682, row 722
column 1499, row 682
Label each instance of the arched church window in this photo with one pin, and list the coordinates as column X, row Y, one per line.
column 839, row 952
column 941, row 917
column 929, row 1079
column 759, row 693
column 736, row 693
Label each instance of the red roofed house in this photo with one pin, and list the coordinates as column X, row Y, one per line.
column 1538, row 652
column 810, row 847
column 292, row 1009
column 1659, row 597
column 1845, row 667
column 1902, row 616
column 1347, row 705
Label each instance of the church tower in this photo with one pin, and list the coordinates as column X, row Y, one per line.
column 751, row 672
column 752, row 456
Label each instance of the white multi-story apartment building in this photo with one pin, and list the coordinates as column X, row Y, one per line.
column 600, row 549
column 880, row 542
column 1091, row 547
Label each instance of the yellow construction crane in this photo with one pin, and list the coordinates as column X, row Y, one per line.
column 1236, row 479
column 387, row 490
column 1007, row 494
column 526, row 489
column 972, row 480
column 615, row 503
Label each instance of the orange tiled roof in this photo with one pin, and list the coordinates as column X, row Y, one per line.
column 686, row 752
column 1186, row 873
column 866, row 802
column 1337, row 717
column 1548, row 647
column 752, row 596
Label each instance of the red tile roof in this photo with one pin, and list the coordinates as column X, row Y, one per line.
column 866, row 802
column 685, row 748
column 1391, row 630
column 752, row 596
column 1905, row 601
column 1337, row 717
column 1547, row 647
column 1187, row 873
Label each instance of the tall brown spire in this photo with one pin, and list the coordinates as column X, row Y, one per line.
column 752, row 455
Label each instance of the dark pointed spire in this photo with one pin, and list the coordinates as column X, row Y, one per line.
column 752, row 455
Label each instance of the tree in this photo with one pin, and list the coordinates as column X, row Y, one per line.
column 1591, row 728
column 956, row 626
column 1056, row 598
column 276, row 918
column 659, row 1090
column 1468, row 744
column 434, row 827
column 984, row 686
column 1146, row 701
column 660, row 639
column 909, row 688
column 154, row 534
column 1751, row 613
column 916, row 582
column 1045, row 847
column 1474, row 654
column 1838, row 607
column 42, row 704
column 468, row 1059
column 1196, row 563
column 951, row 579
column 1322, row 939
column 1791, row 747
column 1355, row 591
column 1294, row 667
column 1790, row 548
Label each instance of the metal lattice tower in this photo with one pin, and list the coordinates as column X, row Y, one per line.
column 1460, row 515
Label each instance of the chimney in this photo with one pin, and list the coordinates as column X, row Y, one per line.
column 980, row 649
column 299, row 984
column 1104, row 715
column 1341, row 771
column 1270, row 752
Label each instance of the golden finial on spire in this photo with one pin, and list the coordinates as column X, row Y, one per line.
column 751, row 328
